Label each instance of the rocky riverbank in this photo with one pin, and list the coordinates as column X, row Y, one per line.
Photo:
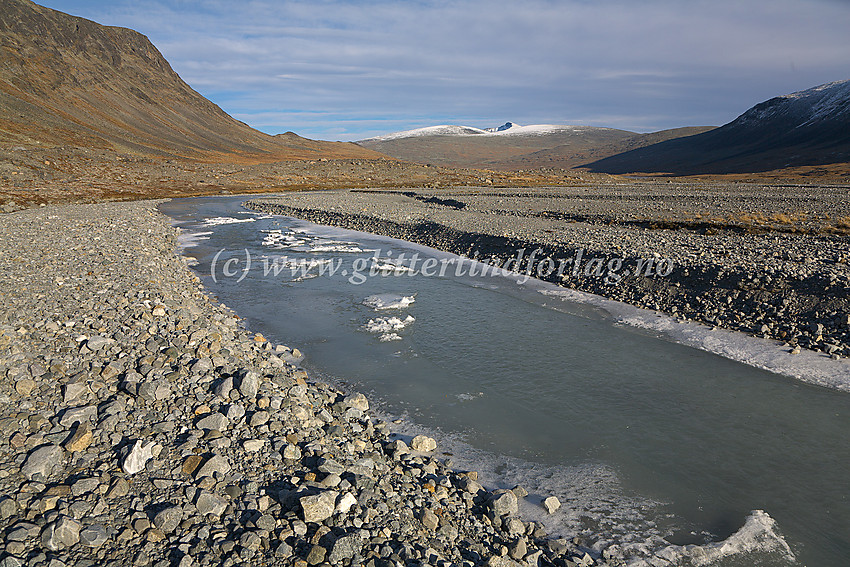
column 142, row 424
column 769, row 261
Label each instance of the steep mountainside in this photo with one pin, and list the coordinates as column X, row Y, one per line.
column 512, row 147
column 806, row 128
column 65, row 80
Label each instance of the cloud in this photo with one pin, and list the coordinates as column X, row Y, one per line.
column 350, row 68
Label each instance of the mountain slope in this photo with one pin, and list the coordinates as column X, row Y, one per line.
column 810, row 127
column 66, row 80
column 513, row 147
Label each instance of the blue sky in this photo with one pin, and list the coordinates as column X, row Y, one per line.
column 350, row 69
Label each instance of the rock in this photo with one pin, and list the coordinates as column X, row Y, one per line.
column 500, row 561
column 8, row 508
column 316, row 555
column 214, row 421
column 357, row 401
column 503, row 502
column 214, row 465
column 429, row 519
column 168, row 519
column 223, row 388
column 191, row 464
column 291, row 453
column 259, row 418
column 118, row 489
column 93, row 536
column 518, row 549
column 25, row 386
column 82, row 414
column 80, row 439
column 318, row 507
column 73, row 392
column 209, row 503
column 97, row 343
column 61, row 534
column 551, row 504
column 345, row 548
column 345, row 503
column 423, row 444
column 249, row 384
column 253, row 445
column 42, row 461
column 138, row 456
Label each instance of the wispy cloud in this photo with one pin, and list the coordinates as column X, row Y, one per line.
column 349, row 69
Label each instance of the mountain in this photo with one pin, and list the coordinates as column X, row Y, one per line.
column 805, row 128
column 68, row 81
column 511, row 146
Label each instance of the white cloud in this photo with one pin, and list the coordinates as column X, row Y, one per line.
column 652, row 64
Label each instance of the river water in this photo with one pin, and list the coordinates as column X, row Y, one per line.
column 653, row 446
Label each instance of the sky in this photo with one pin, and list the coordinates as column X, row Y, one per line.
column 351, row 69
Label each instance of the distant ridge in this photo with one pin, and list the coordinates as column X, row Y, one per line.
column 513, row 147
column 66, row 80
column 805, row 128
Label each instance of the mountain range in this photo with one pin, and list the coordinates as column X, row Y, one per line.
column 65, row 80
column 805, row 128
column 512, row 147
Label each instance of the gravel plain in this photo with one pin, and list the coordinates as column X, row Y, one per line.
column 771, row 261
column 142, row 424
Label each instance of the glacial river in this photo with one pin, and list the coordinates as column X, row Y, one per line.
column 658, row 448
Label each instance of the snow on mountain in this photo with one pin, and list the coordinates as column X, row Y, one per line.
column 828, row 101
column 507, row 129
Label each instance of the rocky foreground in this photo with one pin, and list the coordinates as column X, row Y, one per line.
column 143, row 425
column 772, row 261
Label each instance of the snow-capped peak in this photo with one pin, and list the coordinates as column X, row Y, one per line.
column 502, row 128
column 506, row 129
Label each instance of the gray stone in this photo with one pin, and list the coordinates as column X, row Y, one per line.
column 249, row 384
column 209, row 503
column 8, row 508
column 429, row 519
column 61, row 534
column 316, row 555
column 423, row 443
column 253, row 445
column 94, row 535
column 345, row 548
column 259, row 418
column 234, row 412
column 503, row 502
column 168, row 519
column 42, row 461
column 215, row 464
column 291, row 452
column 223, row 388
column 551, row 504
column 214, row 421
column 72, row 392
column 357, row 401
column 318, row 507
column 78, row 415
column 97, row 343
